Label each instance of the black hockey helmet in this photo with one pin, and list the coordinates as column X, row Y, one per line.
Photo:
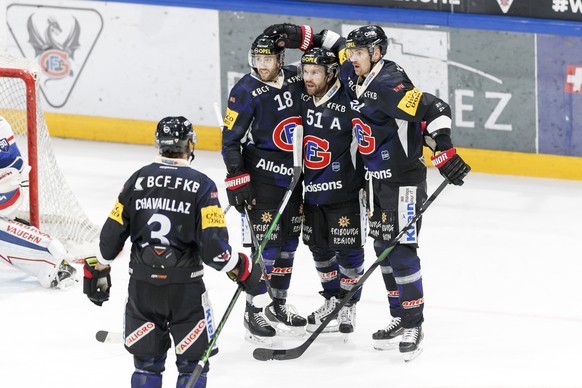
column 368, row 36
column 263, row 45
column 173, row 133
column 322, row 57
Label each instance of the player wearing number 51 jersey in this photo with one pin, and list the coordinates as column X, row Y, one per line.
column 334, row 221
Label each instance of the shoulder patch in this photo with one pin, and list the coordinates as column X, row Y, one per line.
column 115, row 214
column 230, row 118
column 212, row 217
column 409, row 103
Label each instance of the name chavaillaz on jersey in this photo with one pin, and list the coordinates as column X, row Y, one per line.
column 167, row 181
column 168, row 204
column 268, row 165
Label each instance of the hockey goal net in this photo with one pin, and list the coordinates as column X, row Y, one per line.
column 49, row 203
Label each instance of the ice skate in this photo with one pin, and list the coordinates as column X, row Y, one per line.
column 65, row 277
column 315, row 319
column 285, row 319
column 347, row 319
column 411, row 344
column 258, row 330
column 389, row 337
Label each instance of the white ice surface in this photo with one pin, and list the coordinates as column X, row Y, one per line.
column 501, row 266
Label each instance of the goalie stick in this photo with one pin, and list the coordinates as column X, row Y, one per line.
column 264, row 354
column 297, row 169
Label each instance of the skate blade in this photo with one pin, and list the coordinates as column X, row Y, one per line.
column 346, row 337
column 260, row 341
column 390, row 344
column 412, row 355
column 331, row 328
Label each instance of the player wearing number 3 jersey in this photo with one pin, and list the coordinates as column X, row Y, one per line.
column 172, row 215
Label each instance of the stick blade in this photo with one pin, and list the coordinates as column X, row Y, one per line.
column 108, row 337
column 264, row 354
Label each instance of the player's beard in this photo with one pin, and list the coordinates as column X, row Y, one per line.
column 268, row 75
column 315, row 90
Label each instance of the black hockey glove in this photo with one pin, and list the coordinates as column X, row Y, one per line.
column 240, row 192
column 248, row 274
column 96, row 284
column 291, row 35
column 451, row 166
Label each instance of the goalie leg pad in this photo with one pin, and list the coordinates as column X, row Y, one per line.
column 30, row 250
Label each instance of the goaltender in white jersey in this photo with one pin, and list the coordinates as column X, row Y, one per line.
column 24, row 246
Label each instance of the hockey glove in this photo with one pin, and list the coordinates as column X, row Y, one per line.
column 451, row 166
column 291, row 35
column 246, row 273
column 240, row 192
column 96, row 284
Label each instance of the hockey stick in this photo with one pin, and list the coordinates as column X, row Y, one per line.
column 297, row 167
column 259, row 259
column 264, row 354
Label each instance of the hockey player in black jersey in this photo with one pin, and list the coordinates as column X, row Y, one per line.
column 334, row 221
column 263, row 110
column 389, row 115
column 173, row 217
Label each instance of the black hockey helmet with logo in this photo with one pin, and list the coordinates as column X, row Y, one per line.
column 173, row 133
column 263, row 45
column 368, row 36
column 323, row 57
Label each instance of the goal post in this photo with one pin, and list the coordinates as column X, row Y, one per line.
column 50, row 204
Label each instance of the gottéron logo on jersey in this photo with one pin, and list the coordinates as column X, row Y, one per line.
column 59, row 39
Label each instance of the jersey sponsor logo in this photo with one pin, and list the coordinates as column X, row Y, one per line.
column 222, row 257
column 410, row 304
column 316, row 152
column 409, row 103
column 4, row 145
column 393, row 294
column 335, row 106
column 116, row 212
column 272, row 167
column 212, row 217
column 191, row 337
column 382, row 174
column 356, row 105
column 230, row 118
column 281, row 270
column 260, row 90
column 139, row 333
column 349, row 281
column 325, row 186
column 283, row 133
column 366, row 142
column 328, row 275
column 214, row 195
column 407, row 210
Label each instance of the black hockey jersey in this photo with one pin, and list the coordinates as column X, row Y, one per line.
column 388, row 111
column 333, row 170
column 260, row 118
column 169, row 203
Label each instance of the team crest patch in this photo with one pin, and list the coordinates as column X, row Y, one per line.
column 344, row 222
column 266, row 217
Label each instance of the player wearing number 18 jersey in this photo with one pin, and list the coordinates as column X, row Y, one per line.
column 263, row 110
